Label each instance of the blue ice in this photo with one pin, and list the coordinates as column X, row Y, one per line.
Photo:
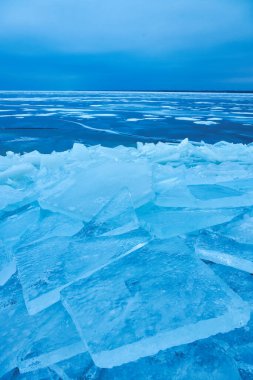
column 127, row 263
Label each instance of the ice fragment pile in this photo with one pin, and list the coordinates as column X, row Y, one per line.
column 125, row 263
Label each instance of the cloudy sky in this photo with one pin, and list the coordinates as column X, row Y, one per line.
column 126, row 44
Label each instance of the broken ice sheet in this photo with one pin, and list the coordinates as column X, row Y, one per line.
column 33, row 342
column 31, row 223
column 49, row 224
column 244, row 358
column 203, row 196
column 222, row 250
column 13, row 224
column 40, row 374
column 239, row 341
column 26, row 225
column 86, row 191
column 165, row 222
column 239, row 281
column 157, row 297
column 197, row 361
column 206, row 192
column 240, row 345
column 116, row 217
column 47, row 266
column 244, row 184
column 73, row 368
column 7, row 264
column 240, row 229
column 12, row 198
column 203, row 186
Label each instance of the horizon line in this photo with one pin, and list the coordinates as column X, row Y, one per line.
column 140, row 91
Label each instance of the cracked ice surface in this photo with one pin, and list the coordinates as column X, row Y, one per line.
column 110, row 255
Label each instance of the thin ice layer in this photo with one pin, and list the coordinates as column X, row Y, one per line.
column 102, row 180
column 221, row 250
column 33, row 342
column 157, row 297
column 46, row 267
column 165, row 222
column 116, row 217
column 74, row 368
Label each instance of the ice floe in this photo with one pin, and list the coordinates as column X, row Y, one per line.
column 127, row 261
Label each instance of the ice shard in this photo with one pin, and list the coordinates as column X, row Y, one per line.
column 13, row 224
column 203, row 196
column 239, row 281
column 7, row 264
column 115, row 218
column 49, row 224
column 29, row 342
column 165, row 222
column 74, row 368
column 222, row 250
column 102, row 180
column 40, row 374
column 12, row 198
column 157, row 297
column 239, row 229
column 197, row 361
column 48, row 266
column 239, row 341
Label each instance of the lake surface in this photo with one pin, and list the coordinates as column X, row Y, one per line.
column 48, row 121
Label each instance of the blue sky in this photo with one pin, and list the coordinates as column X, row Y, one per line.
column 126, row 44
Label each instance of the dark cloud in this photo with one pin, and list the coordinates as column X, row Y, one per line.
column 119, row 44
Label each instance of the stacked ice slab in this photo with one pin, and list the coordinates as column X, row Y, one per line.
column 127, row 263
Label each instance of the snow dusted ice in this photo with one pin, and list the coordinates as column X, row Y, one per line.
column 127, row 263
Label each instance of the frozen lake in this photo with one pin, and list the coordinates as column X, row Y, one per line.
column 48, row 121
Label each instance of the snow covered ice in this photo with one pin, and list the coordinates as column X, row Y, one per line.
column 124, row 263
